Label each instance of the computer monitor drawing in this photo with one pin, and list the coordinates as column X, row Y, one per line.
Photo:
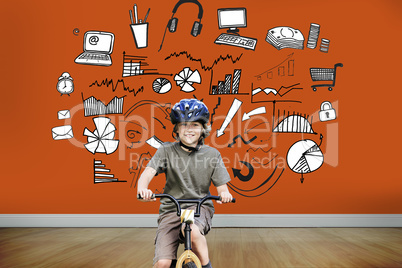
column 232, row 19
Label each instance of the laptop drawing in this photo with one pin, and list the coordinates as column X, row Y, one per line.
column 97, row 49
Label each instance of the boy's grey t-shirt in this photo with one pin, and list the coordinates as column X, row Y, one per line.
column 188, row 175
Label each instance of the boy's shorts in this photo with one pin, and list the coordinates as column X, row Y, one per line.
column 167, row 235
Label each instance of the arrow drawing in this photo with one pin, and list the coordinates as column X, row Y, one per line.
column 259, row 110
column 238, row 190
column 237, row 173
column 232, row 112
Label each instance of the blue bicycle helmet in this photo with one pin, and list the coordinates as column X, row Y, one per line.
column 189, row 110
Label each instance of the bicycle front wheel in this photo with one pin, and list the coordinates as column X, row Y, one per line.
column 189, row 265
column 188, row 258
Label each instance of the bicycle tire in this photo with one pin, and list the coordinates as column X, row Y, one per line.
column 188, row 255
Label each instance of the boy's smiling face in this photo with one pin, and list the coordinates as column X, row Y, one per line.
column 190, row 133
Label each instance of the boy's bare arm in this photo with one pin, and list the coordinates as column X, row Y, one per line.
column 223, row 192
column 143, row 183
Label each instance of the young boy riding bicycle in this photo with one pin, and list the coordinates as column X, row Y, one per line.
column 190, row 166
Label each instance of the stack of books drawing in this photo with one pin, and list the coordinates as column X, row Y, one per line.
column 285, row 37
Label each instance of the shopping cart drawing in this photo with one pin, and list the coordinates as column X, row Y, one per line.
column 324, row 74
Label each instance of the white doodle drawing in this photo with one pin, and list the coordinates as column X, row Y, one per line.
column 98, row 46
column 101, row 140
column 267, row 91
column 232, row 112
column 232, row 19
column 154, row 142
column 285, row 37
column 62, row 132
column 259, row 110
column 327, row 113
column 139, row 28
column 102, row 174
column 294, row 123
column 161, row 85
column 324, row 74
column 173, row 21
column 63, row 114
column 324, row 46
column 93, row 106
column 313, row 35
column 65, row 84
column 304, row 156
column 186, row 78
column 230, row 85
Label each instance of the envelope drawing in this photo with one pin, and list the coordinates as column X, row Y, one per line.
column 62, row 132
column 63, row 114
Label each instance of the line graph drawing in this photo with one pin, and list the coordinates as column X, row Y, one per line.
column 109, row 82
column 284, row 68
column 244, row 141
column 204, row 67
column 93, row 106
column 214, row 110
column 272, row 94
column 255, row 150
column 275, row 82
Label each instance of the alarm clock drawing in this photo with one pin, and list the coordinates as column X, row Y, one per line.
column 65, row 84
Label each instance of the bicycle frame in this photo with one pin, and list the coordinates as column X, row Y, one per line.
column 187, row 255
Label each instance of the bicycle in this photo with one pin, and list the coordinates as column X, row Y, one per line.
column 187, row 259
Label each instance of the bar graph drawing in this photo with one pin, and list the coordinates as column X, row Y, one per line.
column 283, row 69
column 137, row 65
column 102, row 174
column 228, row 86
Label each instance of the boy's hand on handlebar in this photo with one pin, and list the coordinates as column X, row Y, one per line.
column 226, row 197
column 146, row 195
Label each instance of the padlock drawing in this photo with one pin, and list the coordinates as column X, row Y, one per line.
column 327, row 113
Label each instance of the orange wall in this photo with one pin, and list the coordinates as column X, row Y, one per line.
column 361, row 147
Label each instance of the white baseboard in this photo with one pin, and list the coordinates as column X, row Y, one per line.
column 219, row 220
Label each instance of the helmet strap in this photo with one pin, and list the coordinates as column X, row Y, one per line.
column 191, row 149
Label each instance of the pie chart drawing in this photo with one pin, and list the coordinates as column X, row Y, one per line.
column 186, row 78
column 161, row 85
column 304, row 156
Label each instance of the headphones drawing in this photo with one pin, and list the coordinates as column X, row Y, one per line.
column 172, row 24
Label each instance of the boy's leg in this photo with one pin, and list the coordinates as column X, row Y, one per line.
column 163, row 264
column 207, row 266
column 199, row 245
column 166, row 240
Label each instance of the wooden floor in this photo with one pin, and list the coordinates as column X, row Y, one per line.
column 229, row 247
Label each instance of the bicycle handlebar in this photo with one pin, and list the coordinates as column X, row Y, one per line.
column 177, row 202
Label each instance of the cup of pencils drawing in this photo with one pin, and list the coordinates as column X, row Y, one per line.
column 139, row 28
column 140, row 33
